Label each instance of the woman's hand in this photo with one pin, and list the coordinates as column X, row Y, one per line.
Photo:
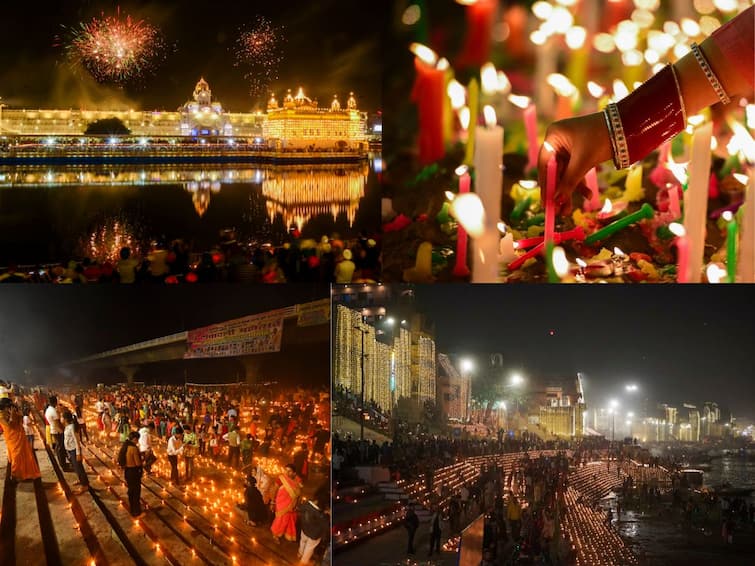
column 580, row 144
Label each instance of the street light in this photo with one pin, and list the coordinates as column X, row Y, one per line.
column 467, row 366
column 631, row 387
column 614, row 404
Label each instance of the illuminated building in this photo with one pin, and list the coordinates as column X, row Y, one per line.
column 396, row 365
column 300, row 124
column 561, row 409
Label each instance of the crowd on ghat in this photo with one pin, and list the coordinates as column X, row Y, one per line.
column 238, row 425
column 331, row 260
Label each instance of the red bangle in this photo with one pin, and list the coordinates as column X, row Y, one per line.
column 649, row 116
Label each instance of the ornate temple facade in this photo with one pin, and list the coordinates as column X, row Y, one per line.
column 297, row 124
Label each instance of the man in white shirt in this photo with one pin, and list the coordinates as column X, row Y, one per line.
column 145, row 446
column 175, row 447
column 56, row 431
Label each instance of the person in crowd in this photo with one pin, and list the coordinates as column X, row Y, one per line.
column 435, row 530
column 56, row 432
column 175, row 448
column 254, row 505
column 22, row 461
column 145, row 447
column 286, row 499
column 411, row 523
column 73, row 448
column 315, row 524
column 247, row 447
column 234, row 446
column 28, row 423
column 190, row 450
column 133, row 473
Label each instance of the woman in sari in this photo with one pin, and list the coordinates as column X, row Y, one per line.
column 23, row 464
column 286, row 500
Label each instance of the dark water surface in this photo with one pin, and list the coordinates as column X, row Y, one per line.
column 51, row 214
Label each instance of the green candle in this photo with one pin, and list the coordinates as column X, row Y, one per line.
column 731, row 246
column 645, row 212
column 519, row 209
column 537, row 219
column 445, row 214
column 552, row 275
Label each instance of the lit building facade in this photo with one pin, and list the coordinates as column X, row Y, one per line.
column 297, row 124
column 393, row 370
column 300, row 124
column 454, row 390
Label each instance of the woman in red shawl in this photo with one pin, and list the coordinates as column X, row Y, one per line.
column 23, row 464
column 286, row 500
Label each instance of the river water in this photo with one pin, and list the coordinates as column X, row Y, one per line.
column 52, row 214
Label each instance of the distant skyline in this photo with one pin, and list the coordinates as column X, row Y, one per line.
column 331, row 47
column 679, row 343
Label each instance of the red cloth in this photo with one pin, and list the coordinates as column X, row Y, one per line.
column 736, row 40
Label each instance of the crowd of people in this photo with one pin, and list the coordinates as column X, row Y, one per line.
column 331, row 260
column 237, row 425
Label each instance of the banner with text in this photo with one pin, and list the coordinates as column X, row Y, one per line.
column 314, row 313
column 254, row 334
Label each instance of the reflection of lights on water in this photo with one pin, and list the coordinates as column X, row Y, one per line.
column 106, row 241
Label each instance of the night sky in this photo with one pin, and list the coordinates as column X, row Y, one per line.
column 331, row 47
column 680, row 343
column 47, row 324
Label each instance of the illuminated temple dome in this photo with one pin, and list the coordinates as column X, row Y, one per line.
column 301, row 124
column 203, row 117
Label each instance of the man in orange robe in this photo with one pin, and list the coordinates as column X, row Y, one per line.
column 286, row 500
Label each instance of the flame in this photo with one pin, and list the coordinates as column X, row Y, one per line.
column 548, row 146
column 562, row 85
column 582, row 263
column 464, row 117
column 595, row 90
column 715, row 273
column 424, row 53
column 488, row 79
column 679, row 170
column 560, row 262
column 727, row 216
column 575, row 37
column 443, row 65
column 620, row 90
column 504, row 84
column 469, row 211
column 528, row 184
column 741, row 178
column 677, row 229
column 457, row 94
column 617, row 251
column 519, row 101
column 501, row 228
column 607, row 207
column 490, row 117
column 743, row 140
column 450, row 196
column 461, row 170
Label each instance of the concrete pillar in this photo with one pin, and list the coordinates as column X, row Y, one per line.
column 129, row 372
column 252, row 368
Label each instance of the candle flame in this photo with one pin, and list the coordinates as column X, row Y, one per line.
column 488, row 79
column 727, row 215
column 504, row 84
column 466, row 2
column 715, row 273
column 461, row 170
column 620, row 90
column 582, row 263
column 528, row 184
column 617, row 251
column 607, row 207
column 741, row 178
column 677, row 229
column 450, row 196
column 750, row 116
column 562, row 85
column 443, row 65
column 501, row 227
column 744, row 140
column 520, row 101
column 548, row 146
column 696, row 120
column 575, row 37
column 469, row 211
column 424, row 53
column 457, row 93
column 490, row 117
column 595, row 90
column 679, row 170
column 560, row 262
column 542, row 10
column 464, row 117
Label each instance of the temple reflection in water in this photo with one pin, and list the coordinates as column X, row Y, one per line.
column 295, row 193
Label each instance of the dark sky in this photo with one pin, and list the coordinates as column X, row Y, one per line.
column 679, row 342
column 45, row 324
column 331, row 47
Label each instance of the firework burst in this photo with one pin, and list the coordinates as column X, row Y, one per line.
column 259, row 52
column 116, row 49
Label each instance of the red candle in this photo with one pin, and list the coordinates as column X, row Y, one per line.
column 673, row 201
column 682, row 252
column 591, row 180
column 428, row 94
column 461, row 269
column 530, row 125
column 476, row 51
column 550, row 193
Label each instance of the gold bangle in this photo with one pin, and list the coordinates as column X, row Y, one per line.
column 709, row 74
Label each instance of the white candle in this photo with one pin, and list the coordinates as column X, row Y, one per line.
column 506, row 250
column 488, row 162
column 746, row 261
column 696, row 200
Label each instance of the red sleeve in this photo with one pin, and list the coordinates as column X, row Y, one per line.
column 736, row 41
